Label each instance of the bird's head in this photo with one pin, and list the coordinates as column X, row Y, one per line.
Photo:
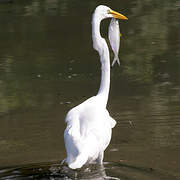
column 105, row 12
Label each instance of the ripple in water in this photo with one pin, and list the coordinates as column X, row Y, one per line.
column 55, row 171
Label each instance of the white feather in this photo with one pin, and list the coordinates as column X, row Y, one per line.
column 89, row 125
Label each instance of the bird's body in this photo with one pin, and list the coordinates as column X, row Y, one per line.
column 86, row 123
column 89, row 125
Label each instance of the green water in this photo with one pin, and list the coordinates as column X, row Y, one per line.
column 48, row 65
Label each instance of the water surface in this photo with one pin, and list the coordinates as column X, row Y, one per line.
column 48, row 65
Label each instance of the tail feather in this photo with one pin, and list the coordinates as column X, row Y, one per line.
column 79, row 162
column 112, row 122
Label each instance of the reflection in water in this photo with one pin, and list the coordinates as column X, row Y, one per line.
column 166, row 116
column 55, row 171
column 46, row 51
column 155, row 117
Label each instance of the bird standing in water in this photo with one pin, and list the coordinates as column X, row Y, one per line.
column 89, row 125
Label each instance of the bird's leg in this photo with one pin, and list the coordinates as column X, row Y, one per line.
column 100, row 157
column 63, row 161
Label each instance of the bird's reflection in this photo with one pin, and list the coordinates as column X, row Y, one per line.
column 89, row 172
column 48, row 171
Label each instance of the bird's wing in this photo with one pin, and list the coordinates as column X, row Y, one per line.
column 72, row 137
column 112, row 122
column 81, row 140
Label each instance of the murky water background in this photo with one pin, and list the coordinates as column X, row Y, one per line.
column 48, row 65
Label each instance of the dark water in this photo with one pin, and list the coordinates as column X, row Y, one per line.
column 55, row 171
column 48, row 65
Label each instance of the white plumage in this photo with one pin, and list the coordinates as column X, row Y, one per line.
column 89, row 125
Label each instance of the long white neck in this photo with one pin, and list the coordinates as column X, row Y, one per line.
column 100, row 45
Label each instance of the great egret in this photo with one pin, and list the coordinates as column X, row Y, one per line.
column 89, row 125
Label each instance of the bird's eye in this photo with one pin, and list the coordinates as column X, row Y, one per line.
column 108, row 11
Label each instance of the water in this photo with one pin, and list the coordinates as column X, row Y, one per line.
column 55, row 171
column 48, row 65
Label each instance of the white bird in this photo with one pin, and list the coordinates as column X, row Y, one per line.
column 89, row 125
column 114, row 38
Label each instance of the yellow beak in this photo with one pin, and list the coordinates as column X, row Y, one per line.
column 118, row 15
